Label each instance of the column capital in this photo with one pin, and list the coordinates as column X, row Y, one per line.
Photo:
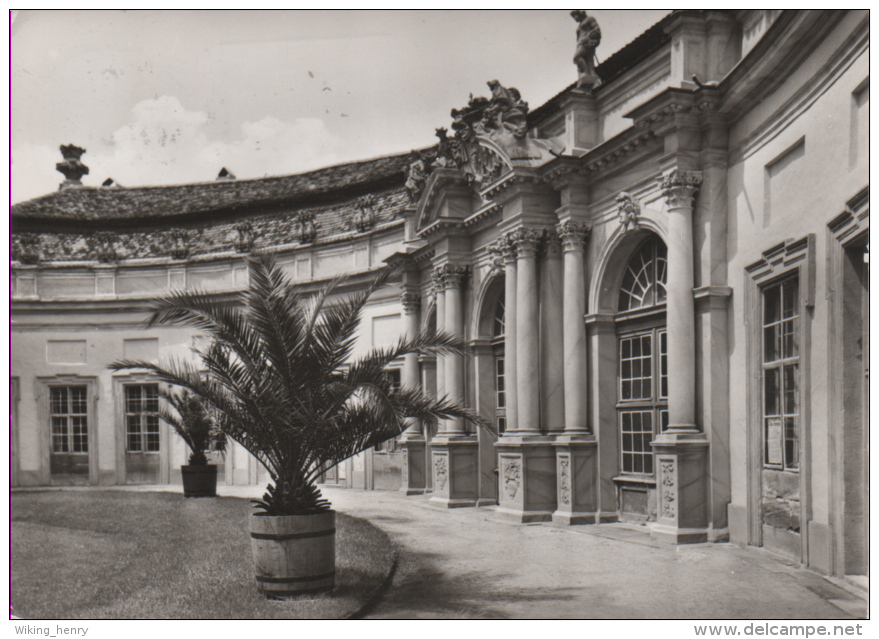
column 573, row 235
column 679, row 187
column 551, row 246
column 526, row 241
column 411, row 302
column 451, row 276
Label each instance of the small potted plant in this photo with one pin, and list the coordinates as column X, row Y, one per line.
column 192, row 421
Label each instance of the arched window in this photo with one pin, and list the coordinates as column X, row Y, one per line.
column 499, row 374
column 643, row 367
column 644, row 279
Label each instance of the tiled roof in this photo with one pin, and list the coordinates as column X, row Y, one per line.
column 96, row 208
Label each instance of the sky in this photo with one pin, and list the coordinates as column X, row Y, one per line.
column 168, row 97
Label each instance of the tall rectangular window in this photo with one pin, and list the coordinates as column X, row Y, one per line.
column 781, row 362
column 69, row 414
column 142, row 418
column 643, row 397
column 500, row 394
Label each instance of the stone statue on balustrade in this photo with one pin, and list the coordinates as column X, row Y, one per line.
column 588, row 39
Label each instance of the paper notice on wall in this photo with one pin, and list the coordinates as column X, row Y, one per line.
column 773, row 441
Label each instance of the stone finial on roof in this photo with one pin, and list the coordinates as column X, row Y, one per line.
column 71, row 167
column 588, row 39
column 225, row 174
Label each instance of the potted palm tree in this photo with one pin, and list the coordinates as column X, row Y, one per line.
column 281, row 382
column 192, row 421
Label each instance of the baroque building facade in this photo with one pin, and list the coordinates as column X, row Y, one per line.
column 662, row 274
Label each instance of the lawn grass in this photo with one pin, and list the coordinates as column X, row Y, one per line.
column 128, row 555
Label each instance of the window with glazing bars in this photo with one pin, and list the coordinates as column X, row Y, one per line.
column 499, row 329
column 142, row 418
column 781, row 362
column 69, row 414
column 500, row 394
column 643, row 397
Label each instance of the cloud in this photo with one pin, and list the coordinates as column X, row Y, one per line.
column 167, row 144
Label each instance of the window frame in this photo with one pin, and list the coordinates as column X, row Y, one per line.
column 143, row 415
column 792, row 257
column 42, row 395
column 498, row 344
column 655, row 404
column 69, row 436
column 782, row 364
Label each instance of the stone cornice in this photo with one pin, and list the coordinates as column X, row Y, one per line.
column 515, row 177
column 483, row 213
column 673, row 102
column 616, row 149
column 564, row 171
column 441, row 226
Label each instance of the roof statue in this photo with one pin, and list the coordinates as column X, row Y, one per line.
column 588, row 39
column 71, row 167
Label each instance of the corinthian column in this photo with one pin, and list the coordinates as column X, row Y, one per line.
column 552, row 349
column 453, row 279
column 411, row 377
column 527, row 329
column 574, row 237
column 510, row 371
column 679, row 187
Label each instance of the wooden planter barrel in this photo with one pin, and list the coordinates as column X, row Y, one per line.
column 199, row 481
column 294, row 554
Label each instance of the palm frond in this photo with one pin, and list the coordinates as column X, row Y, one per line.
column 278, row 379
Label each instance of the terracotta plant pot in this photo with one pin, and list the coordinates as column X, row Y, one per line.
column 294, row 554
column 199, row 481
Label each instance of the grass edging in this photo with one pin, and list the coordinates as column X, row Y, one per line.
column 379, row 592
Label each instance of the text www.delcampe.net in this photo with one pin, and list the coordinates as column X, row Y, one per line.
column 779, row 630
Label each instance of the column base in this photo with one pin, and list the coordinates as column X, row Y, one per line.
column 577, row 480
column 682, row 487
column 455, row 470
column 414, row 471
column 673, row 535
column 527, row 478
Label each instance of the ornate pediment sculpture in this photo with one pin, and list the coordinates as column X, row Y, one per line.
column 489, row 135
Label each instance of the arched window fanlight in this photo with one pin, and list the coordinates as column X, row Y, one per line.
column 499, row 315
column 643, row 283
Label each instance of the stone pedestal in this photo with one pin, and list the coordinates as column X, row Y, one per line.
column 681, row 486
column 577, row 480
column 527, row 478
column 455, row 470
column 414, row 466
